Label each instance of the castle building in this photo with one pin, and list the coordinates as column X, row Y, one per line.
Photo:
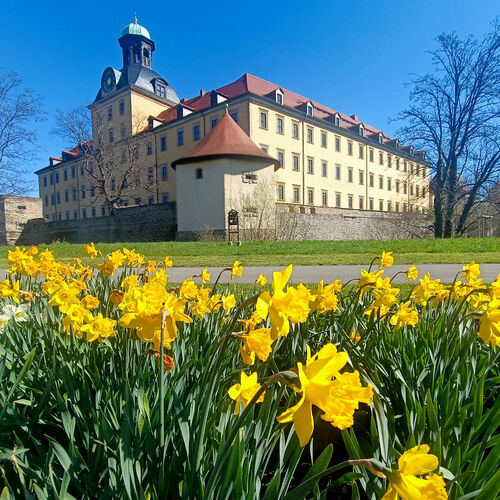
column 324, row 158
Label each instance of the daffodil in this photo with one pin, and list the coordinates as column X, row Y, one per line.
column 412, row 273
column 91, row 250
column 236, row 270
column 255, row 343
column 244, row 392
column 99, row 328
column 471, row 271
column 405, row 315
column 321, row 384
column 404, row 483
column 261, row 280
column 205, row 275
column 489, row 328
column 387, row 260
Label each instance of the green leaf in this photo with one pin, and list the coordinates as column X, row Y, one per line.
column 273, row 487
column 321, row 463
column 29, row 359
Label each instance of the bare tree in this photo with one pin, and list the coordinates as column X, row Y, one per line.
column 113, row 166
column 20, row 108
column 454, row 116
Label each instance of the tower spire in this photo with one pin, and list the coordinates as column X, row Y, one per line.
column 135, row 17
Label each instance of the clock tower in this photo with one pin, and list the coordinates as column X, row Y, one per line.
column 137, row 46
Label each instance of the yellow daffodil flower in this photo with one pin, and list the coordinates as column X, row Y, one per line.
column 91, row 250
column 255, row 343
column 489, row 328
column 405, row 315
column 99, row 328
column 471, row 272
column 404, row 482
column 243, row 392
column 412, row 273
column 261, row 280
column 237, row 270
column 387, row 260
column 205, row 275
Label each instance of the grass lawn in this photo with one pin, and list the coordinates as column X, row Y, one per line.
column 279, row 253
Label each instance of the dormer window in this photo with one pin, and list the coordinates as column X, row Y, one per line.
column 160, row 90
column 397, row 143
column 337, row 120
column 213, row 98
column 361, row 130
column 179, row 112
column 411, row 150
column 310, row 109
column 380, row 138
column 279, row 96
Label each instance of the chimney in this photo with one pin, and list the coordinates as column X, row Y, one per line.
column 202, row 92
column 355, row 117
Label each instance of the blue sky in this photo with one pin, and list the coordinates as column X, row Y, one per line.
column 351, row 56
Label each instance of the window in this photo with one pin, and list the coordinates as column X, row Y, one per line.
column 337, row 120
column 380, row 158
column 113, row 185
column 371, row 179
column 310, row 166
column 361, row 151
column 234, row 116
column 349, row 148
column 51, row 179
column 417, row 190
column 404, row 188
column 52, row 199
column 381, row 182
column 279, row 97
column 163, row 142
column 310, row 110
column 124, row 157
column 123, row 132
column 397, row 186
column 417, row 169
column 46, row 200
column 110, row 113
column 397, row 165
column 75, row 193
column 75, row 214
column 337, row 143
column 137, row 181
column 310, row 196
column 361, row 202
column 57, row 177
column 164, row 172
column 44, row 181
column 122, row 107
column 164, row 198
column 323, row 139
column 199, row 173
column 54, row 217
column 58, row 197
column 136, row 152
column 93, row 212
column 381, row 205
column 111, row 135
column 66, row 196
column 310, row 137
column 361, row 177
column 151, row 175
column 324, row 169
column 337, row 199
column 397, row 207
column 213, row 121
column 370, row 203
column 411, row 189
column 423, row 192
column 380, row 138
column 389, row 161
column 279, row 125
column 281, row 159
column 280, row 192
column 349, row 200
column 405, row 166
column 84, row 213
column 295, row 130
column 92, row 191
column 263, row 119
column 82, row 171
column 404, row 207
column 389, row 184
column 65, row 175
column 389, row 206
column 296, row 194
column 84, row 193
column 103, row 210
column 138, row 202
column 423, row 172
column 324, row 198
column 180, row 137
column 196, row 132
column 349, row 174
column 296, row 163
column 213, row 98
column 370, row 155
column 264, row 148
column 337, row 172
column 149, row 149
column 67, row 215
column 151, row 200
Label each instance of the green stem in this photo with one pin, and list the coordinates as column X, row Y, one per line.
column 162, row 399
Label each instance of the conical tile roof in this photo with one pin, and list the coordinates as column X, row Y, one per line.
column 226, row 140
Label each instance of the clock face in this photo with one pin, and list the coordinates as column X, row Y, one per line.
column 108, row 80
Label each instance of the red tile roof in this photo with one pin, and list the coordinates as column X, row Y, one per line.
column 226, row 140
column 254, row 85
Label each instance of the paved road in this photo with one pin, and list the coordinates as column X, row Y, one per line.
column 313, row 274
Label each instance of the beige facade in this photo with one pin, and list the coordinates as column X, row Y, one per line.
column 327, row 159
column 15, row 212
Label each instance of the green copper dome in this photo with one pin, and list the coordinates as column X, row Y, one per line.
column 136, row 29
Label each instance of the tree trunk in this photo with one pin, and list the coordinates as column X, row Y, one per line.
column 451, row 199
column 465, row 212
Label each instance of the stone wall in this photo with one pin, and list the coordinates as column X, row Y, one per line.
column 15, row 212
column 144, row 223
column 315, row 223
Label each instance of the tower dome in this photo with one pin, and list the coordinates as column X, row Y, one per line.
column 136, row 29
